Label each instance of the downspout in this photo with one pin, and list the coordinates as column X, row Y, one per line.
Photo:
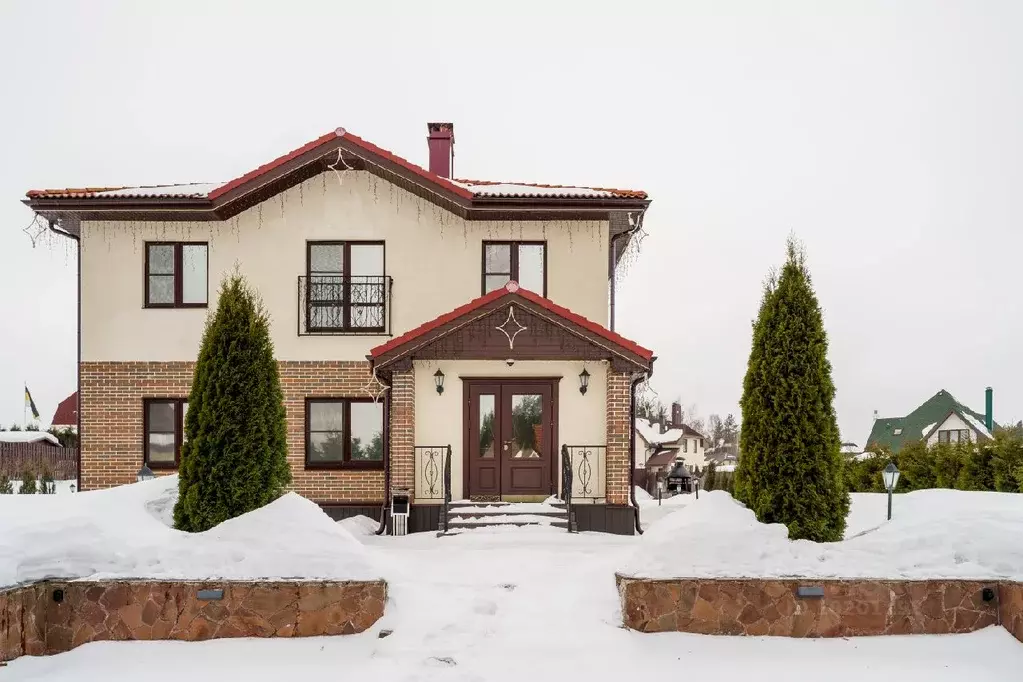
column 613, row 266
column 387, row 458
column 632, row 448
column 55, row 228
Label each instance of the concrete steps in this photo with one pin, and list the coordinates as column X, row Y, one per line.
column 467, row 516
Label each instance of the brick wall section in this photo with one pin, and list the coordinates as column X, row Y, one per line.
column 111, row 414
column 403, row 429
column 618, row 470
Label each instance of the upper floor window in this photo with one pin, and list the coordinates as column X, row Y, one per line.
column 176, row 274
column 524, row 262
column 164, row 427
column 954, row 436
column 346, row 287
column 344, row 432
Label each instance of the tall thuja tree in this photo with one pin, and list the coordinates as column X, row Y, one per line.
column 790, row 471
column 234, row 458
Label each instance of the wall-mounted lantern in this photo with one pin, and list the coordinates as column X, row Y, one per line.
column 584, row 381
column 145, row 474
column 438, row 380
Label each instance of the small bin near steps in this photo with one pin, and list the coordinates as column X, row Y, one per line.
column 400, row 502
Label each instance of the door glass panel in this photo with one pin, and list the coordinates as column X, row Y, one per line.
column 531, row 267
column 527, row 426
column 487, row 403
column 326, row 258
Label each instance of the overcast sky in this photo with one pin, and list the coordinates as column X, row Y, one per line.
column 885, row 135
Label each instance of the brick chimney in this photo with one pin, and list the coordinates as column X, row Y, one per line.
column 442, row 148
column 676, row 416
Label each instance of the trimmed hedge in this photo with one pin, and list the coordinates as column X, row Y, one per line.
column 993, row 465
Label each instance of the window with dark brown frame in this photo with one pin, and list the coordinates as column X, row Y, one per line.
column 177, row 274
column 954, row 436
column 346, row 286
column 164, row 431
column 344, row 432
column 523, row 262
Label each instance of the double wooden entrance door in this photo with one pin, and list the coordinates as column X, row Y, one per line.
column 510, row 443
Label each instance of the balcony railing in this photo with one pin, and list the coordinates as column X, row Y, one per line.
column 430, row 461
column 329, row 304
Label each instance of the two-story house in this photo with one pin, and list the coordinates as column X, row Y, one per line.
column 410, row 312
column 657, row 447
column 940, row 419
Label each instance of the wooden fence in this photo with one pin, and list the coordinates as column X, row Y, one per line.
column 15, row 458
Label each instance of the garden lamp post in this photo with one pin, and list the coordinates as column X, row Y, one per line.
column 890, row 475
column 145, row 474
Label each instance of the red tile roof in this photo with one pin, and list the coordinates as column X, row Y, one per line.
column 467, row 189
column 67, row 411
column 513, row 289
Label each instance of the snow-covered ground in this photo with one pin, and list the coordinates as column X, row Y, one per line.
column 933, row 534
column 125, row 533
column 535, row 604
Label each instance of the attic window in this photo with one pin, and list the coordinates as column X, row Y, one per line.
column 898, row 432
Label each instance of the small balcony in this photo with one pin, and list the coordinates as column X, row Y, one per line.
column 330, row 305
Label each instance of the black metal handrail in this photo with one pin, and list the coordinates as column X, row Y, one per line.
column 566, row 483
column 330, row 304
column 447, row 488
column 433, row 472
column 588, row 464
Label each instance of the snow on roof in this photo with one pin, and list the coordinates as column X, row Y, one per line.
column 975, row 423
column 651, row 433
column 933, row 534
column 28, row 437
column 927, row 429
column 486, row 188
column 726, row 468
column 194, row 190
column 125, row 532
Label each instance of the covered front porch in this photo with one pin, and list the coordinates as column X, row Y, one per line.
column 512, row 399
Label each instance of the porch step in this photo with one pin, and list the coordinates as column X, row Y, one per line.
column 465, row 516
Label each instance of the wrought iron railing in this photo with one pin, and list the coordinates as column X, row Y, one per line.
column 447, row 489
column 329, row 304
column 432, row 472
column 566, row 483
column 588, row 467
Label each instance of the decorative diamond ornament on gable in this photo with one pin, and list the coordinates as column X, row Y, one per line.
column 511, row 327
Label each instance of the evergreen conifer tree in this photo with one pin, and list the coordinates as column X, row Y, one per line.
column 710, row 479
column 6, row 487
column 46, row 484
column 790, row 471
column 234, row 458
column 28, row 483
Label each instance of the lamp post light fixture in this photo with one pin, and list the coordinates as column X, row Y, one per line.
column 145, row 474
column 890, row 475
column 584, row 381
column 438, row 380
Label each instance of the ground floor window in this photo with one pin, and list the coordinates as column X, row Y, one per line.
column 344, row 432
column 164, row 427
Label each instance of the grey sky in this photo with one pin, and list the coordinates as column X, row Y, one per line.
column 886, row 135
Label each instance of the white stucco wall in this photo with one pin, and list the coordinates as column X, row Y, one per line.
column 953, row 423
column 434, row 257
column 582, row 419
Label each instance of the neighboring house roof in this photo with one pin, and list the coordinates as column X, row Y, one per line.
column 424, row 333
column 663, row 458
column 895, row 432
column 66, row 413
column 690, row 431
column 28, row 437
column 471, row 199
column 651, row 433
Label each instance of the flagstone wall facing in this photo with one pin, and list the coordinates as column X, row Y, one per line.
column 847, row 608
column 53, row 617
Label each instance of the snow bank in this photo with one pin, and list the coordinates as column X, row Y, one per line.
column 934, row 534
column 124, row 533
column 642, row 495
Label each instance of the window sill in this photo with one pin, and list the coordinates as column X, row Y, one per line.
column 173, row 306
column 343, row 466
column 334, row 331
column 162, row 466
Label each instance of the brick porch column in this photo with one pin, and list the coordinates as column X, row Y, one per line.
column 618, row 474
column 403, row 429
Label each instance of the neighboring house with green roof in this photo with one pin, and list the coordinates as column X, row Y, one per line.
column 942, row 419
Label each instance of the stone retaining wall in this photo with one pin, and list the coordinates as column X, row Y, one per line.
column 846, row 608
column 51, row 617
